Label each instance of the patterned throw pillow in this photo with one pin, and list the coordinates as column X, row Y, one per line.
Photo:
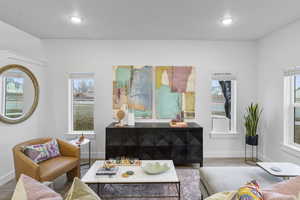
column 42, row 152
column 37, row 153
column 52, row 148
column 30, row 189
column 250, row 191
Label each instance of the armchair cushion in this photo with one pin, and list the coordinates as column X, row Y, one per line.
column 54, row 167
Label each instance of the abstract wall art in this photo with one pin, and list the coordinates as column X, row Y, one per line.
column 174, row 92
column 132, row 86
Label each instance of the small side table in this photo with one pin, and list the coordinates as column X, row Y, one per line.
column 86, row 141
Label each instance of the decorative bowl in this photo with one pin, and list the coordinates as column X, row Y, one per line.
column 155, row 168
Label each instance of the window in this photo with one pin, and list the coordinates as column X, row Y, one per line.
column 292, row 108
column 81, row 115
column 12, row 95
column 223, row 107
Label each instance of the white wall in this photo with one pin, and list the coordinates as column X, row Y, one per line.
column 276, row 52
column 15, row 40
column 65, row 56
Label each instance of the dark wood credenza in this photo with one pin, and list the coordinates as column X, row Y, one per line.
column 156, row 141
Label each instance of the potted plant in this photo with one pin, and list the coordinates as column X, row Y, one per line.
column 251, row 124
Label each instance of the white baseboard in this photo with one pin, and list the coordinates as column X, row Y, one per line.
column 94, row 155
column 224, row 154
column 7, row 177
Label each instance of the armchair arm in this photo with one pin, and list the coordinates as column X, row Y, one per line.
column 24, row 165
column 68, row 149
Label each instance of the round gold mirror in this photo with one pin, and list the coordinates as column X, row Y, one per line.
column 19, row 93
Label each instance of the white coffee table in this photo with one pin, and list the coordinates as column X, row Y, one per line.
column 280, row 169
column 139, row 177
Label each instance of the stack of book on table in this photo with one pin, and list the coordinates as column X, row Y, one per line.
column 105, row 171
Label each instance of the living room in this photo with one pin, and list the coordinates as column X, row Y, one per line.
column 247, row 48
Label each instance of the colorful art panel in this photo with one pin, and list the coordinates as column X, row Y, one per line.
column 174, row 92
column 132, row 86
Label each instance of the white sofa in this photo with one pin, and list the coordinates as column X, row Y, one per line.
column 220, row 179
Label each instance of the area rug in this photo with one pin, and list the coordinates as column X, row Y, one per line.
column 188, row 177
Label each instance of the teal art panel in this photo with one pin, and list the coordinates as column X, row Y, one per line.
column 168, row 103
column 123, row 75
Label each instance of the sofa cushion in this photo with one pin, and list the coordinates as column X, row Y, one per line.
column 223, row 196
column 285, row 190
column 80, row 191
column 52, row 168
column 220, row 179
column 30, row 189
column 250, row 191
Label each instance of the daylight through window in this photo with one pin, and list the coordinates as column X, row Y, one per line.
column 292, row 108
column 223, row 95
column 82, row 102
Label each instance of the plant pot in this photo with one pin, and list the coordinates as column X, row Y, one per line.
column 252, row 140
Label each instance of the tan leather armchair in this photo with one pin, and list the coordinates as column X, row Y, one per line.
column 68, row 162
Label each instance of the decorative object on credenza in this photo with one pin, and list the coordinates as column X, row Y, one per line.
column 177, row 124
column 252, row 117
column 131, row 120
column 120, row 115
column 179, row 121
column 175, row 92
column 155, row 168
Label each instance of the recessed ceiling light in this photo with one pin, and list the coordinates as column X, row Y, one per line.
column 76, row 19
column 227, row 21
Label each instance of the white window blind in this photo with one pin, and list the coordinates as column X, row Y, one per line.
column 223, row 76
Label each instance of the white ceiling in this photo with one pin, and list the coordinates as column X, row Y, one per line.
column 149, row 19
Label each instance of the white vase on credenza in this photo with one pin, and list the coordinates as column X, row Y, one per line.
column 131, row 120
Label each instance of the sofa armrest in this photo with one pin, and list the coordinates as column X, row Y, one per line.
column 24, row 165
column 68, row 149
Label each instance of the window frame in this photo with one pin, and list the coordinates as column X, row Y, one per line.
column 289, row 112
column 232, row 122
column 3, row 95
column 80, row 76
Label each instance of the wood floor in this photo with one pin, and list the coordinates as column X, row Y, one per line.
column 61, row 185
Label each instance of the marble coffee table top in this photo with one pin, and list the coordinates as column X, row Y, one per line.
column 280, row 169
column 139, row 175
